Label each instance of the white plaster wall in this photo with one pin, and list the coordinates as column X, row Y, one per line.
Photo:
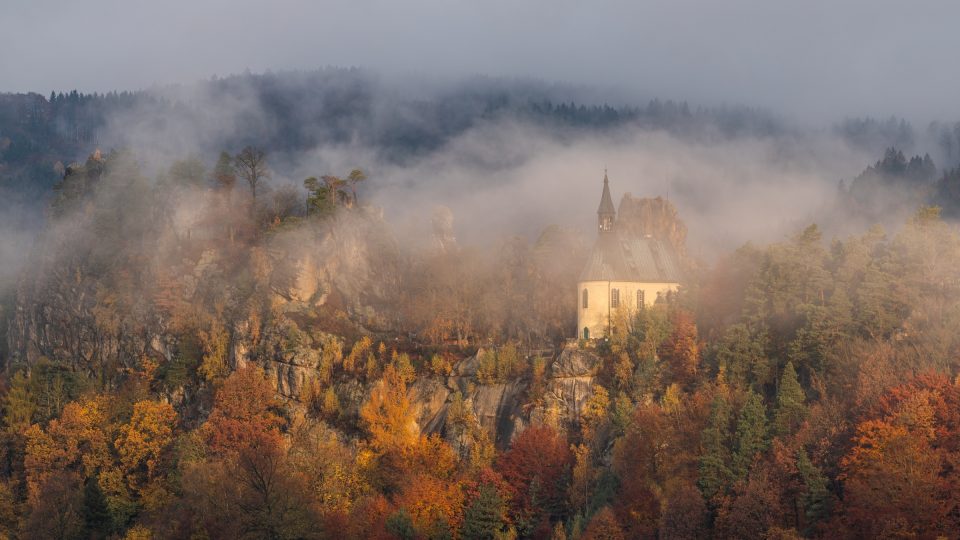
column 595, row 316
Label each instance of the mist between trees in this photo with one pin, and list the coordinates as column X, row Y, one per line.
column 333, row 341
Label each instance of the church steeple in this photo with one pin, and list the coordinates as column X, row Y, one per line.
column 606, row 214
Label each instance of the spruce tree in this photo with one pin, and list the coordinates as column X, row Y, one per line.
column 816, row 497
column 484, row 517
column 400, row 524
column 714, row 467
column 790, row 409
column 96, row 513
column 752, row 435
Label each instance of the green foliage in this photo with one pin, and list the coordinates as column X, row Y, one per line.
column 53, row 385
column 741, row 358
column 499, row 366
column 400, row 524
column 18, row 406
column 319, row 201
column 96, row 513
column 816, row 497
column 714, row 473
column 753, row 434
column 484, row 519
column 186, row 361
column 790, row 409
column 215, row 365
column 188, row 173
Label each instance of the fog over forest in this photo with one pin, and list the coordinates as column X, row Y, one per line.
column 657, row 270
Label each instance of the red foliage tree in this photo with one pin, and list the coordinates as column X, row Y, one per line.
column 537, row 469
column 243, row 414
column 681, row 350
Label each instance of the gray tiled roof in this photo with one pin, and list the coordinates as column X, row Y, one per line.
column 627, row 257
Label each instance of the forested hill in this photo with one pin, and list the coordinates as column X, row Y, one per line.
column 293, row 111
column 187, row 360
column 288, row 112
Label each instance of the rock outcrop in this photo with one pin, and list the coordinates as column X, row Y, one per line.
column 656, row 217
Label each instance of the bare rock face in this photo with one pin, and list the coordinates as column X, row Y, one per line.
column 429, row 399
column 503, row 409
column 351, row 264
column 574, row 362
column 655, row 217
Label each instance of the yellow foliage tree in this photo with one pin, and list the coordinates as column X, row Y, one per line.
column 141, row 443
column 78, row 441
column 388, row 415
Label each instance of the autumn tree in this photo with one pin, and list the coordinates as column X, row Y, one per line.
column 681, row 350
column 56, row 511
column 224, row 173
column 388, row 416
column 78, row 441
column 244, row 413
column 142, row 443
column 603, row 526
column 897, row 479
column 537, row 468
column 684, row 514
column 752, row 509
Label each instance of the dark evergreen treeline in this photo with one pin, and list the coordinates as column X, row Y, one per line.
column 294, row 111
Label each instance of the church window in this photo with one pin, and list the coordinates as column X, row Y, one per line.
column 584, row 299
column 586, row 333
column 615, row 298
column 640, row 303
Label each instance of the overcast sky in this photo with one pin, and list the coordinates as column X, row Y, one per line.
column 805, row 59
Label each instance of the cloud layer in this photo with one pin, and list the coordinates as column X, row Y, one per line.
column 812, row 60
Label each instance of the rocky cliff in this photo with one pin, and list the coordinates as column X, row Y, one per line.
column 656, row 217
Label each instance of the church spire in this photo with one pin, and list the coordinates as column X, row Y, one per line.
column 606, row 214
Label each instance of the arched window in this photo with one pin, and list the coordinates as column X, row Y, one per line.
column 584, row 299
column 586, row 333
column 615, row 298
column 640, row 303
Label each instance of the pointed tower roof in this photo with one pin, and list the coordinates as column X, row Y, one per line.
column 606, row 201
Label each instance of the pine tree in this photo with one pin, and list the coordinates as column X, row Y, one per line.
column 484, row 517
column 816, row 499
column 752, row 435
column 96, row 513
column 19, row 405
column 400, row 524
column 714, row 466
column 790, row 410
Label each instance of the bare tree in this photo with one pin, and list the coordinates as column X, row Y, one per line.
column 251, row 164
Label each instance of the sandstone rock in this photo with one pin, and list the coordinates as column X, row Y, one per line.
column 429, row 399
column 575, row 362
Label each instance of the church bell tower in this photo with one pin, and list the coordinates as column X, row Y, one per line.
column 606, row 214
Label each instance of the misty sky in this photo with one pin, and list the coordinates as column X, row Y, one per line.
column 810, row 59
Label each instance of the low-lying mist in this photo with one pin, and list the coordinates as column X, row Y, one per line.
column 500, row 169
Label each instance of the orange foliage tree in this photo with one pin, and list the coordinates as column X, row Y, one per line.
column 78, row 441
column 900, row 476
column 244, row 413
column 681, row 350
